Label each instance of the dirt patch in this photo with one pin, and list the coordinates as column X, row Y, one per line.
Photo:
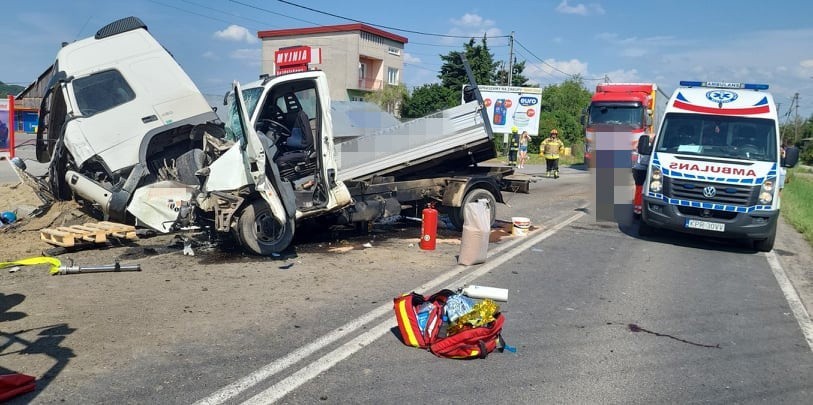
column 21, row 239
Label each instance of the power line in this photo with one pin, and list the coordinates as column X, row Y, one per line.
column 540, row 59
column 377, row 25
column 229, row 13
column 274, row 12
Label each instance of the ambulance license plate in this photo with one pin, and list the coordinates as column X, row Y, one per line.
column 705, row 225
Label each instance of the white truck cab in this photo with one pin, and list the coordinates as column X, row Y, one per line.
column 715, row 164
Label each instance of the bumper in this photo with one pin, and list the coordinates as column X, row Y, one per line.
column 754, row 225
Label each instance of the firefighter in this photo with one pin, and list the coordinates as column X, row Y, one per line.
column 513, row 146
column 551, row 148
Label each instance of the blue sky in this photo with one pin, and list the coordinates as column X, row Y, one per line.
column 630, row 40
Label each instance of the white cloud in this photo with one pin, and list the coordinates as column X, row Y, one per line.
column 622, row 76
column 472, row 26
column 236, row 33
column 633, row 52
column 807, row 63
column 579, row 9
column 408, row 58
column 250, row 55
column 554, row 71
column 210, row 55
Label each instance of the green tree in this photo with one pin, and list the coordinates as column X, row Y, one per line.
column 453, row 74
column 427, row 99
column 389, row 98
column 10, row 89
column 517, row 79
column 561, row 109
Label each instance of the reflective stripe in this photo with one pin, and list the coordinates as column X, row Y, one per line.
column 405, row 321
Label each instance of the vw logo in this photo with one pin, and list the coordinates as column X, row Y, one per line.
column 721, row 96
column 709, row 192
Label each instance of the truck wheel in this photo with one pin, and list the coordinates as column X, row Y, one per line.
column 766, row 245
column 456, row 213
column 259, row 232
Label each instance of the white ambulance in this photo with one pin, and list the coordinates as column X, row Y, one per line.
column 715, row 164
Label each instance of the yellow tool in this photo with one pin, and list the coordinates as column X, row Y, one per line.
column 34, row 261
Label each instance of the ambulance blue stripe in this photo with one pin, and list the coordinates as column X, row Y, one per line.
column 707, row 205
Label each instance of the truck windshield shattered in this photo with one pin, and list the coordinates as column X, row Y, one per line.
column 718, row 136
column 615, row 114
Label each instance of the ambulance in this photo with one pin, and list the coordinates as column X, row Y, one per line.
column 715, row 164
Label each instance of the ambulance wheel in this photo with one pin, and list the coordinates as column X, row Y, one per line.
column 259, row 232
column 766, row 245
column 456, row 213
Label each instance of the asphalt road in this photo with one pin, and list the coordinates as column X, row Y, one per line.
column 597, row 314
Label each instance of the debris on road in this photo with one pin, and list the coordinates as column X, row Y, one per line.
column 105, row 268
column 89, row 233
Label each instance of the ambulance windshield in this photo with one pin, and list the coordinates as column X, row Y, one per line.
column 718, row 136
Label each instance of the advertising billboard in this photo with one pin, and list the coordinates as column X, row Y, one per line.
column 512, row 106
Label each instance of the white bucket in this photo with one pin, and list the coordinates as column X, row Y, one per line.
column 521, row 225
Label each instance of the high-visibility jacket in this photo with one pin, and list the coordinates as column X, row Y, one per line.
column 513, row 143
column 551, row 148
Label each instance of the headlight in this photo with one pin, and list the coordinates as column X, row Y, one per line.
column 655, row 184
column 766, row 192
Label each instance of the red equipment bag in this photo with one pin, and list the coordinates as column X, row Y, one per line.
column 15, row 384
column 472, row 342
column 469, row 343
column 406, row 313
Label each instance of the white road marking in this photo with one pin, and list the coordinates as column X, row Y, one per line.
column 796, row 305
column 310, row 371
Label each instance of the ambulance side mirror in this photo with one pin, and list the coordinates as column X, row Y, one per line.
column 644, row 148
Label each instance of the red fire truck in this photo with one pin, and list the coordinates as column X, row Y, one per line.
column 618, row 115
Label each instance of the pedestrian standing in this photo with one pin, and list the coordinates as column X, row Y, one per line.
column 551, row 148
column 524, row 139
column 513, row 146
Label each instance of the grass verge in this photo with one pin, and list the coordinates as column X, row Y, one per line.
column 796, row 201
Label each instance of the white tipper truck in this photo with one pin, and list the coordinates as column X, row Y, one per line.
column 716, row 167
column 128, row 134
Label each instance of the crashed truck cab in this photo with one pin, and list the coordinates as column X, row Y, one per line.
column 129, row 135
column 117, row 110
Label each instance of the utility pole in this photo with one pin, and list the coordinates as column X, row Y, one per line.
column 796, row 119
column 510, row 58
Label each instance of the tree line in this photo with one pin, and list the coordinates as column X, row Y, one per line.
column 561, row 107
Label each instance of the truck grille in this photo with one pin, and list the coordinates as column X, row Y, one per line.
column 729, row 194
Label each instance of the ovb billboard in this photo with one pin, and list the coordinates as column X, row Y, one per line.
column 509, row 106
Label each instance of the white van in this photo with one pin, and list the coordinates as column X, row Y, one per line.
column 715, row 168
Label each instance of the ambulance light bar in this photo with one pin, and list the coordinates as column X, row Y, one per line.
column 724, row 85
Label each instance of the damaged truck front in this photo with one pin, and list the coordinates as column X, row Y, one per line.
column 129, row 135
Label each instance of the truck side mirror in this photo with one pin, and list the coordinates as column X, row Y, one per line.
column 468, row 94
column 791, row 157
column 648, row 120
column 583, row 118
column 644, row 148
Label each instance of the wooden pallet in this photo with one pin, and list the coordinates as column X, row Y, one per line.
column 89, row 233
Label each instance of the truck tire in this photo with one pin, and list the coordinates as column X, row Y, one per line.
column 766, row 245
column 260, row 233
column 456, row 213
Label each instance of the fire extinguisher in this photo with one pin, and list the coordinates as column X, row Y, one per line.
column 429, row 227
